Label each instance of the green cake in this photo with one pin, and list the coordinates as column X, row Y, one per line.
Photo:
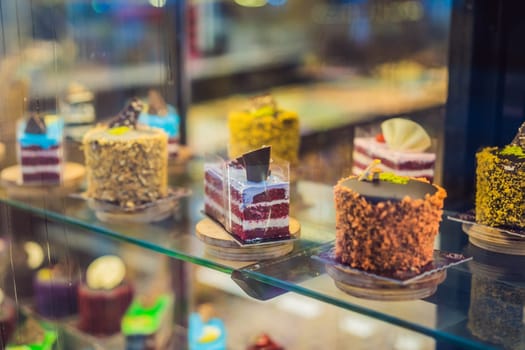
column 147, row 325
column 500, row 186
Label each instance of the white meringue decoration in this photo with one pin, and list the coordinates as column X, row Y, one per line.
column 405, row 135
column 106, row 272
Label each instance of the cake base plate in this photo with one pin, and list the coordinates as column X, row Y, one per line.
column 156, row 211
column 356, row 285
column 406, row 285
column 73, row 177
column 494, row 239
column 220, row 244
column 2, row 152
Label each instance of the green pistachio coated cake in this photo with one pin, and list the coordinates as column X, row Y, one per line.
column 500, row 184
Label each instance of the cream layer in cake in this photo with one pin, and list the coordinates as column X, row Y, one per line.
column 412, row 164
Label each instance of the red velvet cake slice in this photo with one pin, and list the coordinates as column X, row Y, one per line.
column 249, row 203
column 40, row 151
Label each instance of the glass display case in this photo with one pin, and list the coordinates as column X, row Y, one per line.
column 338, row 73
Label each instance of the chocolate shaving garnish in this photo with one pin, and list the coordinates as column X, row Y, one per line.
column 157, row 104
column 36, row 125
column 519, row 139
column 257, row 164
column 263, row 101
column 128, row 116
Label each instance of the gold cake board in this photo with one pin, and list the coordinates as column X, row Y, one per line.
column 493, row 240
column 73, row 177
column 2, row 152
column 221, row 245
column 371, row 288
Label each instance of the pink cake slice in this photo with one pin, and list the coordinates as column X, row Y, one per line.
column 413, row 164
column 253, row 211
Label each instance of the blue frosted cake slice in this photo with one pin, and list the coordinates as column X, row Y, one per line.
column 40, row 150
column 158, row 114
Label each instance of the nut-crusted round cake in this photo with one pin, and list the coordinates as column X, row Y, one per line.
column 500, row 186
column 126, row 164
column 387, row 225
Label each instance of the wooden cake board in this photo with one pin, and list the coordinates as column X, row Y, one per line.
column 2, row 152
column 221, row 245
column 373, row 289
column 73, row 178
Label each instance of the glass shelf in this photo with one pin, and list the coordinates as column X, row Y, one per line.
column 473, row 297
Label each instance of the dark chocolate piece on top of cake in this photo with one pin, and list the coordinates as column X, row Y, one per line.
column 36, row 125
column 257, row 164
column 128, row 116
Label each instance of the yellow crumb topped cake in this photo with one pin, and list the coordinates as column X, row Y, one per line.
column 263, row 123
column 500, row 184
column 126, row 163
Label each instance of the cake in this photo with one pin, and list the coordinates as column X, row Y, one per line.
column 104, row 296
column 40, row 151
column 126, row 163
column 402, row 148
column 77, row 109
column 246, row 199
column 147, row 324
column 263, row 123
column 55, row 291
column 7, row 319
column 500, row 184
column 264, row 342
column 32, row 336
column 386, row 224
column 206, row 332
column 158, row 114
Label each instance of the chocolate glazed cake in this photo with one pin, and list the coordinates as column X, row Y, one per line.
column 387, row 226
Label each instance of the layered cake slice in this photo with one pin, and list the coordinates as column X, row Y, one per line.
column 104, row 297
column 401, row 147
column 158, row 114
column 386, row 224
column 40, row 151
column 250, row 202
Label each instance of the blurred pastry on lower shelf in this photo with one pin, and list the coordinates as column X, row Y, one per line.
column 32, row 335
column 7, row 319
column 104, row 296
column 55, row 290
column 264, row 342
column 147, row 324
column 206, row 331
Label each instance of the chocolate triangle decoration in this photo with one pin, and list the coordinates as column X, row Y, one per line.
column 128, row 116
column 36, row 125
column 257, row 164
column 519, row 139
column 157, row 105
